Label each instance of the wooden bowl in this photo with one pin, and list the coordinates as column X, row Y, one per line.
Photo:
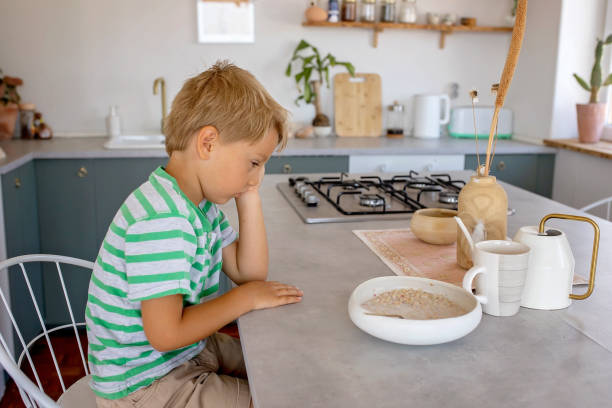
column 435, row 226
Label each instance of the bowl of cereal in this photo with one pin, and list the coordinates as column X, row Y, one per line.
column 413, row 310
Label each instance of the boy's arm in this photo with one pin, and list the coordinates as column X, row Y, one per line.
column 169, row 326
column 246, row 259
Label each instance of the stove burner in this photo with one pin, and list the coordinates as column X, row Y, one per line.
column 448, row 197
column 423, row 185
column 365, row 195
column 371, row 200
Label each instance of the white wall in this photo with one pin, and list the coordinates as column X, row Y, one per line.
column 582, row 22
column 78, row 57
column 532, row 88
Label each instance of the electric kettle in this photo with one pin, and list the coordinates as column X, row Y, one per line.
column 429, row 116
column 550, row 271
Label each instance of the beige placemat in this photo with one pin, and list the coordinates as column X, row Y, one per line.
column 406, row 255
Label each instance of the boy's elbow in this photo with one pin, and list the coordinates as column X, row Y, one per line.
column 162, row 342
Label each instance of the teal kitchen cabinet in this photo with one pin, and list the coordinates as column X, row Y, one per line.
column 307, row 164
column 22, row 238
column 532, row 172
column 67, row 224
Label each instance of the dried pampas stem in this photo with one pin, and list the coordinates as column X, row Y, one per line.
column 474, row 96
column 513, row 53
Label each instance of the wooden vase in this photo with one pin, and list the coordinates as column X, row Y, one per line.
column 481, row 200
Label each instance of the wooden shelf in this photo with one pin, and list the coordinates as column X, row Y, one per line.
column 380, row 27
column 600, row 149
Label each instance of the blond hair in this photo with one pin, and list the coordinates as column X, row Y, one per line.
column 228, row 98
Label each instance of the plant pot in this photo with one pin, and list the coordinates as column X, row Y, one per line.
column 591, row 119
column 322, row 131
column 8, row 118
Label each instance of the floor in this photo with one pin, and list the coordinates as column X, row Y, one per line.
column 65, row 346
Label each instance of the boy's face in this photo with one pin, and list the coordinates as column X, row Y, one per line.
column 235, row 168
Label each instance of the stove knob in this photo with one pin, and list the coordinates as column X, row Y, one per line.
column 301, row 190
column 306, row 192
column 298, row 186
column 312, row 200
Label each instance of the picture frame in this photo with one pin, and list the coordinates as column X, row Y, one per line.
column 225, row 21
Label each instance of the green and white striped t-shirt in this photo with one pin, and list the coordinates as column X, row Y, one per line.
column 158, row 244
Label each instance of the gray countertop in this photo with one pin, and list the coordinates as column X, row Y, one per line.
column 19, row 152
column 311, row 354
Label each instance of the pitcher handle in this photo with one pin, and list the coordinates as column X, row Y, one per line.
column 446, row 118
column 467, row 282
column 595, row 248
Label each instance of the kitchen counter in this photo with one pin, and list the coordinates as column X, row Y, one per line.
column 310, row 354
column 19, row 152
column 599, row 149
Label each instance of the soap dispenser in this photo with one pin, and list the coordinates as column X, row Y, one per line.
column 113, row 123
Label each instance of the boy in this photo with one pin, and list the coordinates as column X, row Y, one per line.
column 152, row 311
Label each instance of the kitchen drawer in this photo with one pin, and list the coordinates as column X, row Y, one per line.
column 532, row 172
column 307, row 164
column 405, row 163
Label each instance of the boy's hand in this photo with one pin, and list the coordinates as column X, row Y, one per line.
column 255, row 188
column 265, row 294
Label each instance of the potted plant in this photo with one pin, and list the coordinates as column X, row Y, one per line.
column 9, row 104
column 591, row 116
column 307, row 57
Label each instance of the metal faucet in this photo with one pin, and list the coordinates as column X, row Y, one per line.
column 156, row 83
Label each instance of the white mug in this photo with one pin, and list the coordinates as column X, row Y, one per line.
column 503, row 268
column 427, row 110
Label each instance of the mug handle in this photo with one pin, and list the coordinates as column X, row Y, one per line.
column 467, row 282
column 595, row 247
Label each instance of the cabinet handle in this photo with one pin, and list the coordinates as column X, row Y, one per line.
column 17, row 182
column 82, row 172
column 287, row 168
column 501, row 166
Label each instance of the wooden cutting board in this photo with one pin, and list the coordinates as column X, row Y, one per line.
column 357, row 105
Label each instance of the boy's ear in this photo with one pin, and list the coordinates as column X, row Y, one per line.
column 206, row 140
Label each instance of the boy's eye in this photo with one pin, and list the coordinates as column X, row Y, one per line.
column 255, row 164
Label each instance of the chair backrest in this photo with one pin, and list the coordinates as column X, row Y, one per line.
column 33, row 394
column 598, row 203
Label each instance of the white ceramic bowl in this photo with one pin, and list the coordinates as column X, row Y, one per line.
column 322, row 131
column 414, row 332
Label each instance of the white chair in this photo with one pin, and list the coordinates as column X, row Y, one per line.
column 599, row 203
column 33, row 395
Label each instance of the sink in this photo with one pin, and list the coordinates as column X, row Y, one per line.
column 143, row 141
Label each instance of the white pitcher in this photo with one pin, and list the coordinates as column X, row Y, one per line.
column 427, row 112
column 550, row 273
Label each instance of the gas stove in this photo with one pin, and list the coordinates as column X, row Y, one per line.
column 346, row 198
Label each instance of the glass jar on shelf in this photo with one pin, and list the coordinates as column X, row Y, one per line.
column 368, row 11
column 349, row 10
column 333, row 12
column 408, row 12
column 387, row 11
column 26, row 118
column 395, row 120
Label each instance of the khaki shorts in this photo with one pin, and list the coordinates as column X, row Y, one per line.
column 214, row 378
